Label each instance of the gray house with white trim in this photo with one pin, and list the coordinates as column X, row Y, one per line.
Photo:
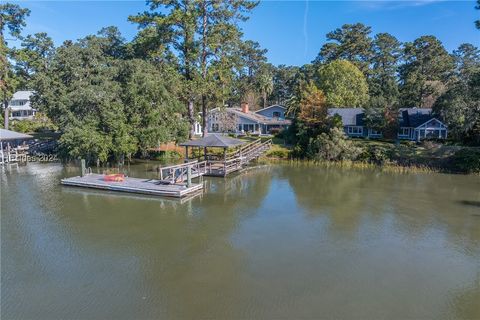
column 414, row 124
column 242, row 120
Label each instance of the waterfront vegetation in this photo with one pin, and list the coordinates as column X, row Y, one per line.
column 112, row 100
column 388, row 155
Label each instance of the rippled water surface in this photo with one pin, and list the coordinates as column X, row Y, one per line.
column 277, row 242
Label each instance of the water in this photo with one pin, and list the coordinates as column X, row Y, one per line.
column 278, row 242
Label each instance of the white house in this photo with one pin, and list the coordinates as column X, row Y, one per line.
column 242, row 120
column 19, row 106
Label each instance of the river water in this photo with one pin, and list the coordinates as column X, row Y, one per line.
column 277, row 242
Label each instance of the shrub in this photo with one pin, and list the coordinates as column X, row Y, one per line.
column 335, row 146
column 278, row 153
column 466, row 160
column 376, row 154
column 276, row 131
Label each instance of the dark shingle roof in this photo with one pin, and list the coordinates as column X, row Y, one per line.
column 413, row 117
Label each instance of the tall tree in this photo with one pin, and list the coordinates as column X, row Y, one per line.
column 351, row 42
column 467, row 61
column 459, row 106
column 12, row 21
column 424, row 74
column 34, row 56
column 343, row 83
column 201, row 32
column 283, row 83
column 385, row 59
column 265, row 83
column 252, row 61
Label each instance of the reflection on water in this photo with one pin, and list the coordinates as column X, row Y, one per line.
column 275, row 242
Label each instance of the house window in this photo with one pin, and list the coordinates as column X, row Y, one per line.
column 355, row 130
column 277, row 114
column 404, row 132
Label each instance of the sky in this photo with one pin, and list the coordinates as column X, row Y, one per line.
column 292, row 31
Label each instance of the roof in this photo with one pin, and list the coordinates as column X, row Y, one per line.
column 6, row 135
column 414, row 117
column 256, row 117
column 22, row 95
column 214, row 141
column 350, row 116
column 272, row 106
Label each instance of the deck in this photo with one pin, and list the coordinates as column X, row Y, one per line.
column 134, row 185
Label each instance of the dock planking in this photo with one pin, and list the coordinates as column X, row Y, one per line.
column 133, row 185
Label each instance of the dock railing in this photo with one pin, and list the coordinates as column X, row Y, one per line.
column 180, row 172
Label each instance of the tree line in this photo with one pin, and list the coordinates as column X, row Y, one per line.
column 113, row 99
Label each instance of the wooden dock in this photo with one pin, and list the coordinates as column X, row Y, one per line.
column 134, row 185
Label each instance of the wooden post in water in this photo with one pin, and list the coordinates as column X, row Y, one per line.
column 189, row 176
column 82, row 164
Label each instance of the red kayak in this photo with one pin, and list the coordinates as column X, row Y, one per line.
column 118, row 177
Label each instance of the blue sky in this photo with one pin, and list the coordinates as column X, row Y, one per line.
column 292, row 31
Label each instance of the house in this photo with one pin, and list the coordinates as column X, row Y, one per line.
column 242, row 120
column 418, row 123
column 414, row 124
column 19, row 106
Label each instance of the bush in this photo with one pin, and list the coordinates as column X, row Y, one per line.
column 466, row 160
column 38, row 124
column 276, row 131
column 278, row 153
column 335, row 146
column 376, row 154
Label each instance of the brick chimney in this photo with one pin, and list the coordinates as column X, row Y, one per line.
column 245, row 107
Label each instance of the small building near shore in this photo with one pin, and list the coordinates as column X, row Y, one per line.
column 19, row 105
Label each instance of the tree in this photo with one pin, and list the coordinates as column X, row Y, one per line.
column 283, row 83
column 335, row 146
column 252, row 66
column 351, row 42
column 312, row 107
column 467, row 61
column 152, row 109
column 202, row 33
column 265, row 83
column 425, row 72
column 459, row 107
column 227, row 122
column 105, row 106
column 385, row 58
column 33, row 57
column 343, row 83
column 12, row 21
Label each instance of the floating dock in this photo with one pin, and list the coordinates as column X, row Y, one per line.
column 134, row 185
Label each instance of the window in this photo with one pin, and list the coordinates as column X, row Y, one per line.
column 355, row 130
column 404, row 132
column 277, row 114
